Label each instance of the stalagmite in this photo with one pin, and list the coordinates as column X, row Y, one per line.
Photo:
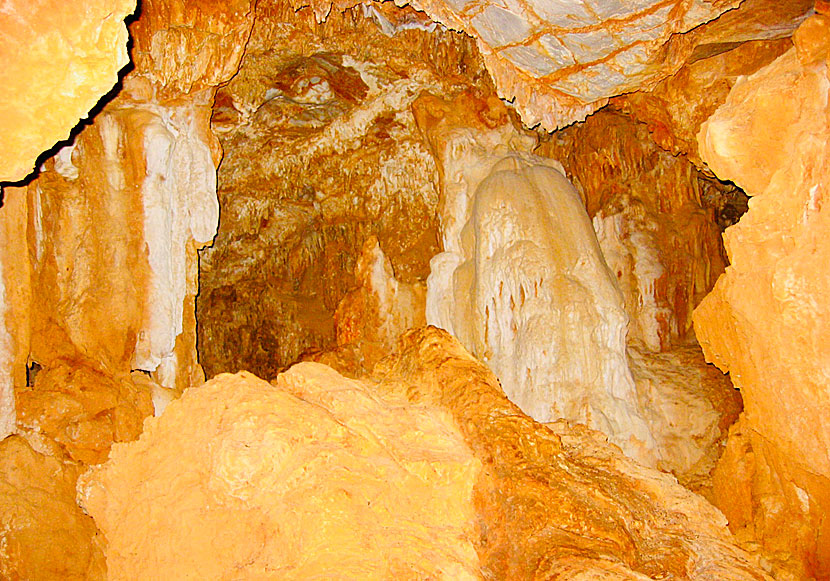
column 523, row 284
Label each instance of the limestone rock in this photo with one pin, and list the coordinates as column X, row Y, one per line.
column 15, row 298
column 658, row 235
column 321, row 152
column 522, row 282
column 371, row 317
column 766, row 322
column 185, row 46
column 44, row 535
column 675, row 109
column 59, row 59
column 689, row 407
column 311, row 477
column 83, row 410
column 114, row 223
column 561, row 60
column 321, row 475
column 581, row 509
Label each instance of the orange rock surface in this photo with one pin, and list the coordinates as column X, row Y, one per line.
column 657, row 235
column 557, row 501
column 431, row 472
column 311, row 477
column 561, row 60
column 44, row 534
column 321, row 152
column 59, row 59
column 767, row 320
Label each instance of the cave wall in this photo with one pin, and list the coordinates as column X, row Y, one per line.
column 658, row 234
column 147, row 162
column 322, row 153
column 58, row 62
column 766, row 321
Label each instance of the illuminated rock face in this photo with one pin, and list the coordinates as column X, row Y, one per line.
column 59, row 59
column 311, row 477
column 425, row 471
column 562, row 59
column 322, row 152
column 522, row 282
column 766, row 322
column 45, row 534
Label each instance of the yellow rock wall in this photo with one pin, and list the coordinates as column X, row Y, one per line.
column 766, row 322
column 59, row 59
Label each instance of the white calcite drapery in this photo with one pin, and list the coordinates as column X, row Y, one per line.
column 523, row 284
column 180, row 204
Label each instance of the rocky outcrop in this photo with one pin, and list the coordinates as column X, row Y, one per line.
column 766, row 322
column 582, row 509
column 319, row 475
column 311, row 477
column 58, row 60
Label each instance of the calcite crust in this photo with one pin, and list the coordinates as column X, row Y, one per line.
column 311, row 477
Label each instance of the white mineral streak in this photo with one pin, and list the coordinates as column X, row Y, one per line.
column 180, row 204
column 523, row 285
column 7, row 413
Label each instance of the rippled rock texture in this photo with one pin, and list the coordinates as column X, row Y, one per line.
column 429, row 451
column 766, row 322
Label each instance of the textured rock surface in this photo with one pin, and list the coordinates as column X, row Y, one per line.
column 522, row 282
column 581, row 509
column 59, row 59
column 44, row 535
column 313, row 477
column 657, row 233
column 322, row 152
column 689, row 407
column 83, row 410
column 560, row 60
column 371, row 317
column 738, row 43
column 15, row 298
column 430, row 473
column 766, row 322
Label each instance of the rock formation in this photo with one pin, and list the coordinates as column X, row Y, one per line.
column 522, row 282
column 375, row 489
column 657, row 233
column 321, row 152
column 58, row 60
column 766, row 321
column 430, row 472
column 358, row 142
